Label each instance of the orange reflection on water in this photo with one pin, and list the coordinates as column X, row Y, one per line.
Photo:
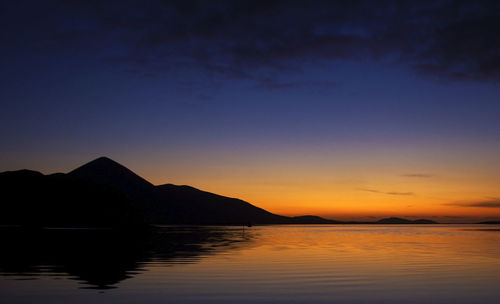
column 348, row 263
column 265, row 264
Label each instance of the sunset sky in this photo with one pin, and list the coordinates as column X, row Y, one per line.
column 343, row 109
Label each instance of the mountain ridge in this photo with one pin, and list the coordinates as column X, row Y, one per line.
column 105, row 193
column 398, row 220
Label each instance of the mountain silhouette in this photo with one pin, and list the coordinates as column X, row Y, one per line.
column 188, row 205
column 397, row 220
column 104, row 193
column 106, row 172
column 306, row 219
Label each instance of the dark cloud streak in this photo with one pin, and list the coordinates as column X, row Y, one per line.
column 383, row 192
column 399, row 193
column 493, row 202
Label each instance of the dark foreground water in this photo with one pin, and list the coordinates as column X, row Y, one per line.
column 264, row 264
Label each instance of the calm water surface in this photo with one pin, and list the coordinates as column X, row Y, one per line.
column 263, row 264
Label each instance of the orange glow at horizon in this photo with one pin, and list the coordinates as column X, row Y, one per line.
column 444, row 182
column 348, row 184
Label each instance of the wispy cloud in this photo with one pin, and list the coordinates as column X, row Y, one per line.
column 418, row 175
column 386, row 192
column 492, row 202
column 368, row 190
column 399, row 193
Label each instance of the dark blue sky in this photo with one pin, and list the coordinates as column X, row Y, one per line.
column 175, row 88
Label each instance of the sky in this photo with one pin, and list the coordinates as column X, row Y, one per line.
column 344, row 109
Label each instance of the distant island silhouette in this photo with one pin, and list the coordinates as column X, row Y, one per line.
column 104, row 193
column 397, row 220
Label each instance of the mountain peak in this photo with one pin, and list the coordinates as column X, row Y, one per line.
column 103, row 160
column 106, row 171
column 99, row 165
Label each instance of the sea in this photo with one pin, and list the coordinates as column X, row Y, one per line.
column 259, row 264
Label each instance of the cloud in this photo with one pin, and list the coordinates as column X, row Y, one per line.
column 399, row 193
column 273, row 84
column 450, row 40
column 369, row 190
column 418, row 175
column 383, row 192
column 493, row 202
